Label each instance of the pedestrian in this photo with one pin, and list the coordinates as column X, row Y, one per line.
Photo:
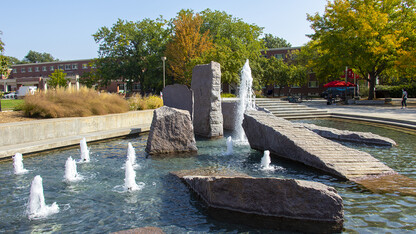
column 404, row 98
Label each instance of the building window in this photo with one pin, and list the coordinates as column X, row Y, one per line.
column 295, row 86
column 313, row 84
column 51, row 68
column 67, row 66
column 74, row 66
column 278, row 56
column 14, row 70
column 44, row 68
column 84, row 66
column 121, row 86
column 61, row 67
column 29, row 69
column 136, row 86
column 23, row 70
column 36, row 69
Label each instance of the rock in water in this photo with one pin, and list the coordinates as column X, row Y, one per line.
column 283, row 204
column 180, row 97
column 171, row 132
column 206, row 85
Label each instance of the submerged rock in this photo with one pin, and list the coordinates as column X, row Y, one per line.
column 352, row 136
column 171, row 132
column 143, row 230
column 283, row 204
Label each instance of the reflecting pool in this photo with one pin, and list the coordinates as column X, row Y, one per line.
column 95, row 204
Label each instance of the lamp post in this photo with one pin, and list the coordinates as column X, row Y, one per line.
column 163, row 59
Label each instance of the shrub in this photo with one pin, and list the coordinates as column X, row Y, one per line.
column 137, row 102
column 228, row 95
column 71, row 103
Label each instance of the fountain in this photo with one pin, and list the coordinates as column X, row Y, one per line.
column 85, row 153
column 37, row 208
column 229, row 146
column 246, row 101
column 130, row 179
column 131, row 155
column 71, row 174
column 18, row 164
column 265, row 161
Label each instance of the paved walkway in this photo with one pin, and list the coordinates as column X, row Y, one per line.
column 387, row 114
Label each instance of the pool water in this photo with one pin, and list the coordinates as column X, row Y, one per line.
column 96, row 205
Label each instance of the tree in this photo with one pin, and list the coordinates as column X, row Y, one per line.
column 4, row 64
column 57, row 79
column 187, row 46
column 131, row 51
column 271, row 41
column 281, row 73
column 235, row 41
column 12, row 60
column 36, row 57
column 370, row 36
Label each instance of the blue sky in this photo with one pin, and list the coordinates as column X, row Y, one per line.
column 64, row 28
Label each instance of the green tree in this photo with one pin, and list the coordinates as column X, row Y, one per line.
column 281, row 73
column 36, row 57
column 271, row 41
column 57, row 79
column 12, row 60
column 370, row 36
column 131, row 52
column 235, row 41
column 4, row 63
column 187, row 46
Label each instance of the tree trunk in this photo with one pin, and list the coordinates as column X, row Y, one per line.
column 371, row 93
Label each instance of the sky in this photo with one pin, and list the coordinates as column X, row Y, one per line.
column 64, row 28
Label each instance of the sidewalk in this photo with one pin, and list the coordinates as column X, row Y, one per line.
column 388, row 114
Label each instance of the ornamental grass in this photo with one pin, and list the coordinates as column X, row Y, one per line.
column 137, row 102
column 66, row 102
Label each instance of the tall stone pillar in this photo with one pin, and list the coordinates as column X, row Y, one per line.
column 206, row 85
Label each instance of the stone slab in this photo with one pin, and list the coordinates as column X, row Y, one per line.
column 180, row 97
column 351, row 136
column 265, row 131
column 305, row 205
column 206, row 85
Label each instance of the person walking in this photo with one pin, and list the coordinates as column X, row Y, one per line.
column 404, row 98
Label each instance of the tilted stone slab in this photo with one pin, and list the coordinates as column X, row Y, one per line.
column 351, row 136
column 171, row 132
column 180, row 97
column 286, row 204
column 265, row 131
column 206, row 85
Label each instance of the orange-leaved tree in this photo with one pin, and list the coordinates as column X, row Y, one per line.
column 187, row 47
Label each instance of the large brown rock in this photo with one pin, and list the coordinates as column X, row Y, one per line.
column 206, row 85
column 286, row 204
column 171, row 132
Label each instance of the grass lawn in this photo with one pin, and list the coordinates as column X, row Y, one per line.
column 10, row 104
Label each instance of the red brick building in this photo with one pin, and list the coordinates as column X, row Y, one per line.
column 37, row 74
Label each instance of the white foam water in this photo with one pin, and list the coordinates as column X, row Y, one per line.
column 71, row 174
column 85, row 153
column 37, row 207
column 130, row 178
column 246, row 102
column 230, row 150
column 18, row 164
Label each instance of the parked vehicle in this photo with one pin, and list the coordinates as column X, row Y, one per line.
column 24, row 90
column 339, row 92
column 10, row 96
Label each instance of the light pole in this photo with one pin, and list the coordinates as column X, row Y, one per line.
column 163, row 59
